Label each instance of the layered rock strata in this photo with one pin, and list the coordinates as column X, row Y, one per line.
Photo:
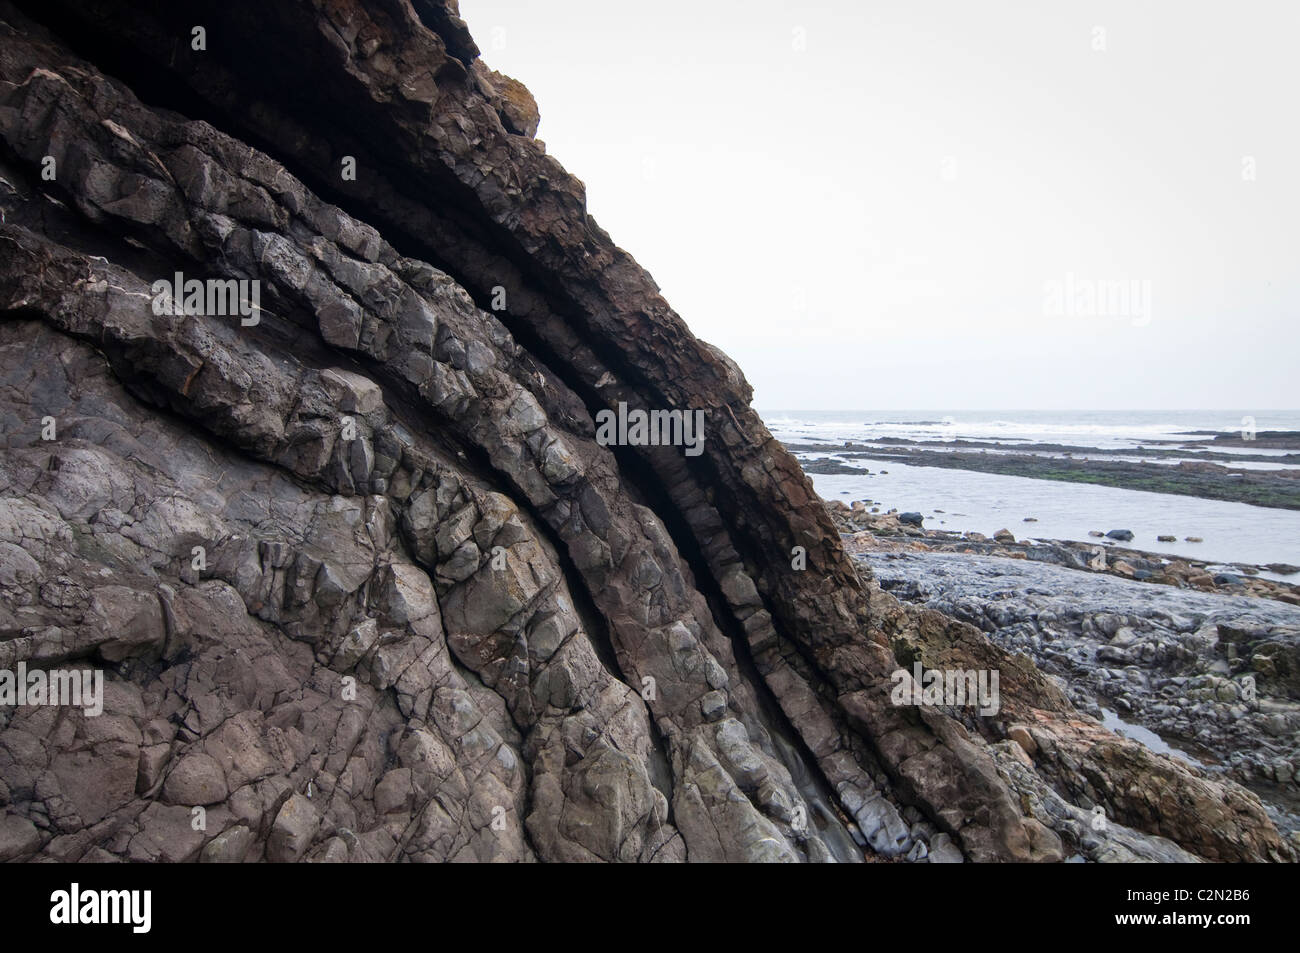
column 362, row 581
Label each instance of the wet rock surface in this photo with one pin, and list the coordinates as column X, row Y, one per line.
column 1213, row 674
column 360, row 580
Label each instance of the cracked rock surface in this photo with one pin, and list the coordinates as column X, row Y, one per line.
column 361, row 581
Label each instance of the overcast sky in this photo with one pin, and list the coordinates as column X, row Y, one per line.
column 908, row 205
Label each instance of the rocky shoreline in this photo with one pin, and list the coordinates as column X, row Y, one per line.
column 1209, row 664
column 1103, row 556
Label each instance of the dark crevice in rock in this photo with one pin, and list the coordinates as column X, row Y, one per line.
column 635, row 468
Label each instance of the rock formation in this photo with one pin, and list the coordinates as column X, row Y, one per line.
column 362, row 581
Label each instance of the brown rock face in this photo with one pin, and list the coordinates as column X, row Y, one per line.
column 340, row 533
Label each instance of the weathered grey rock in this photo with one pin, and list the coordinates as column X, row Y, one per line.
column 19, row 838
column 293, row 829
column 943, row 851
column 196, row 779
column 229, row 847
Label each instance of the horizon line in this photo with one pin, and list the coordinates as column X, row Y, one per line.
column 1037, row 410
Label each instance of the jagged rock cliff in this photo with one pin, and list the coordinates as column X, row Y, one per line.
column 364, row 583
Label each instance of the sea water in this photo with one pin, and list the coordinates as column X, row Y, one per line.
column 986, row 503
